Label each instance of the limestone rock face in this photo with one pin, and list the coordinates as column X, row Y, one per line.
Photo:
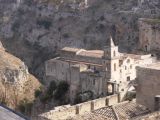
column 16, row 82
column 35, row 29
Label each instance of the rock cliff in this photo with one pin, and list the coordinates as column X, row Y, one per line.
column 35, row 29
column 16, row 83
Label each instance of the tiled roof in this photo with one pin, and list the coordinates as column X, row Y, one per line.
column 92, row 53
column 83, row 52
column 88, row 116
column 106, row 112
column 130, row 110
column 122, row 111
column 155, row 66
column 70, row 49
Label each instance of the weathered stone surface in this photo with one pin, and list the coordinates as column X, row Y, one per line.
column 16, row 82
column 53, row 25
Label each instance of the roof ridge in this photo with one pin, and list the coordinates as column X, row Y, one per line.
column 115, row 113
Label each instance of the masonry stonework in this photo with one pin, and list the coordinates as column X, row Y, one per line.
column 149, row 34
column 67, row 111
column 148, row 85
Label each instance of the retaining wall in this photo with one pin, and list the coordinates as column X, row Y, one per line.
column 64, row 112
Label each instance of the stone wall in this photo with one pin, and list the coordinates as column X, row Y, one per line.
column 84, row 107
column 99, row 103
column 148, row 86
column 111, row 100
column 152, row 116
column 149, row 34
column 64, row 112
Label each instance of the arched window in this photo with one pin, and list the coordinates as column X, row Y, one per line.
column 128, row 60
column 114, row 66
column 125, row 67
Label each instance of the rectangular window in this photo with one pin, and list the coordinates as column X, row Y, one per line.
column 128, row 78
column 94, row 81
column 114, row 66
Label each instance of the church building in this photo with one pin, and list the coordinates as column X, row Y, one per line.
column 93, row 74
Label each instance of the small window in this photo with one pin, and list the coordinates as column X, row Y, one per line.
column 114, row 53
column 130, row 66
column 128, row 60
column 120, row 71
column 114, row 66
column 125, row 67
column 128, row 78
column 122, row 89
column 146, row 48
column 89, row 67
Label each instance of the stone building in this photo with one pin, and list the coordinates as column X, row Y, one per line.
column 147, row 88
column 149, row 34
column 95, row 73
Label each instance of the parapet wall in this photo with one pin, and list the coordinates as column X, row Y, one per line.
column 64, row 112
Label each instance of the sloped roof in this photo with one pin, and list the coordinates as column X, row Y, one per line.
column 121, row 111
column 8, row 114
column 70, row 49
column 155, row 66
column 92, row 53
column 83, row 52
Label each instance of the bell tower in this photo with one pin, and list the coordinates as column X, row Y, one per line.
column 111, row 61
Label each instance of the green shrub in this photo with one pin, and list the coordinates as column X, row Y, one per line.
column 52, row 87
column 45, row 23
column 61, row 90
column 25, row 106
column 130, row 96
column 37, row 93
column 45, row 98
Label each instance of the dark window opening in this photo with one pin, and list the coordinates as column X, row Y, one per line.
column 128, row 78
column 114, row 53
column 94, row 81
column 115, row 67
column 146, row 48
column 89, row 67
